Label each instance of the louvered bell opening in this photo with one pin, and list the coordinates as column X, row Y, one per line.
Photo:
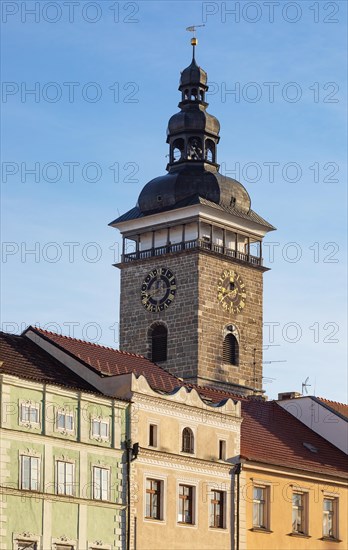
column 159, row 344
column 230, row 350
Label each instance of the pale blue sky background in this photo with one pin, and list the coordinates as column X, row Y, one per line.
column 149, row 51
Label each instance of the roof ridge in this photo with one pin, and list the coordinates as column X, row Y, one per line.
column 49, row 332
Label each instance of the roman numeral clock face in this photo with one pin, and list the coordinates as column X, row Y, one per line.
column 231, row 291
column 158, row 290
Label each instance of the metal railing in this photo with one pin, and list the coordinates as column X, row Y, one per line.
column 189, row 245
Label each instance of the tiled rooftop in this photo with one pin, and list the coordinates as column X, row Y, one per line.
column 21, row 357
column 273, row 436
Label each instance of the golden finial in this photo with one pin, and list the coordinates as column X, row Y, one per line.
column 194, row 40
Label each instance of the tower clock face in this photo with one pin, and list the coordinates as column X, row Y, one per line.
column 158, row 290
column 231, row 291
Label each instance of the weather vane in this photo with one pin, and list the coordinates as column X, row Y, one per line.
column 194, row 40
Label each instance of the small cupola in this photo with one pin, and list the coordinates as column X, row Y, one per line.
column 193, row 134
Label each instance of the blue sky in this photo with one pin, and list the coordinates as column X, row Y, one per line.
column 95, row 131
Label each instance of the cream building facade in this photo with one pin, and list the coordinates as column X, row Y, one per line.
column 182, row 480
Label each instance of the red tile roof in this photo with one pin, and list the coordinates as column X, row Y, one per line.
column 112, row 362
column 341, row 408
column 22, row 358
column 273, row 436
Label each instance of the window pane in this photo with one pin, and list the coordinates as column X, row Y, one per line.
column 103, row 429
column 34, row 473
column 105, row 484
column 328, row 518
column 95, row 427
column 61, row 420
column 69, row 422
column 26, row 545
column 25, row 472
column 69, row 471
column 297, row 513
column 24, row 413
column 34, row 414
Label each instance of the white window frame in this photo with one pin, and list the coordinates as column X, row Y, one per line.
column 98, row 546
column 100, row 421
column 335, row 524
column 25, row 537
column 266, row 507
column 65, row 412
column 57, row 484
column 29, row 457
column 195, row 497
column 105, row 469
column 304, row 495
column 31, row 406
column 63, row 541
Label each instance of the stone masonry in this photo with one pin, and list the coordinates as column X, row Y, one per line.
column 195, row 320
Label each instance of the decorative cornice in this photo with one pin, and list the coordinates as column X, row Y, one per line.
column 184, row 463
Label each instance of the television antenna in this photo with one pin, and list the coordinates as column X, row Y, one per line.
column 305, row 385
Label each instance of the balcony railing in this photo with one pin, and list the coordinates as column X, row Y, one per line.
column 189, row 245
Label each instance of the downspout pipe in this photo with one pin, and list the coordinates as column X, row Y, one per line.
column 237, row 471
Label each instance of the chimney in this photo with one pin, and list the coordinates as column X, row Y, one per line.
column 289, row 395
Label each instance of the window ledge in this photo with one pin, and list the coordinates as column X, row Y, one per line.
column 300, row 535
column 183, row 524
column 261, row 530
column 330, row 539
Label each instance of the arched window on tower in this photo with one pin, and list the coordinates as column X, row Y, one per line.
column 188, row 441
column 195, row 148
column 210, row 150
column 201, row 95
column 178, row 150
column 159, row 342
column 186, row 94
column 194, row 94
column 230, row 350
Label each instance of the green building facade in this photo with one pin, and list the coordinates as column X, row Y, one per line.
column 62, row 460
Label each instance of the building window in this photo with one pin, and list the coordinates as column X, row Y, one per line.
column 187, row 441
column 153, row 435
column 329, row 517
column 29, row 413
column 298, row 513
column 101, row 483
column 217, row 509
column 260, row 507
column 159, row 341
column 230, row 351
column 63, row 547
column 153, row 499
column 30, row 473
column 222, row 449
column 100, row 428
column 65, row 478
column 185, row 504
column 65, row 421
column 26, row 545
